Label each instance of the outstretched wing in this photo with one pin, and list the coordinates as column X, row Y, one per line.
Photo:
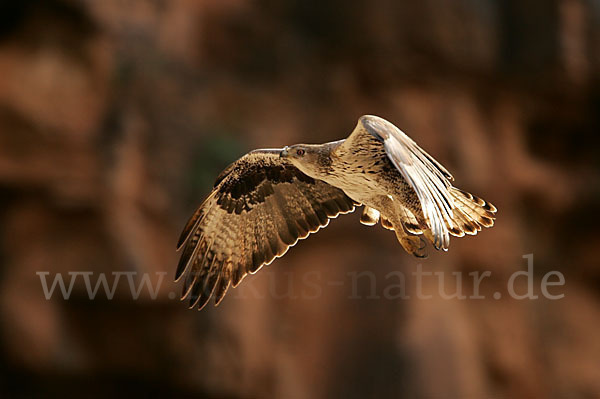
column 260, row 206
column 429, row 179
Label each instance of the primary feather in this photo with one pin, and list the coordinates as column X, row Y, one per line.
column 260, row 207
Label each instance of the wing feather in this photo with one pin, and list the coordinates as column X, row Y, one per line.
column 260, row 206
column 429, row 179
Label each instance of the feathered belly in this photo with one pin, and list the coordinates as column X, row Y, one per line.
column 360, row 186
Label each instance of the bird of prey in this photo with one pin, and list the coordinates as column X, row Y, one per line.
column 266, row 201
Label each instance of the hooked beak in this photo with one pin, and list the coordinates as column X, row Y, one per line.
column 284, row 152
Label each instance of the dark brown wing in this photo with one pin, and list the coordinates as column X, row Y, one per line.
column 429, row 179
column 260, row 206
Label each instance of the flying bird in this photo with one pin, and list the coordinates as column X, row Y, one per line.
column 266, row 201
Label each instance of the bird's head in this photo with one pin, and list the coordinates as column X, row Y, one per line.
column 312, row 159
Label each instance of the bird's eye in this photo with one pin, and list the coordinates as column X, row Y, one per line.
column 300, row 152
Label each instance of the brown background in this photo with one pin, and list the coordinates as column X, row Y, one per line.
column 115, row 117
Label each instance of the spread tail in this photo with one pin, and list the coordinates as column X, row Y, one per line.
column 470, row 214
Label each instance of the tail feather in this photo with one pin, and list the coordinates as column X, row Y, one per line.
column 471, row 213
column 478, row 205
column 467, row 225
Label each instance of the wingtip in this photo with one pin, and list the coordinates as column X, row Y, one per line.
column 202, row 302
column 184, row 236
column 182, row 239
column 180, row 269
column 178, row 276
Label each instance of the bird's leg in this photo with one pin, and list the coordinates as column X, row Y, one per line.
column 429, row 235
column 412, row 244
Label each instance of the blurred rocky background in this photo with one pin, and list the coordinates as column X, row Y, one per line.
column 116, row 116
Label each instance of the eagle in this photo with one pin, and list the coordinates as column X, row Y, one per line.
column 267, row 200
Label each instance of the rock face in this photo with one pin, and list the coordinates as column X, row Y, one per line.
column 115, row 117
